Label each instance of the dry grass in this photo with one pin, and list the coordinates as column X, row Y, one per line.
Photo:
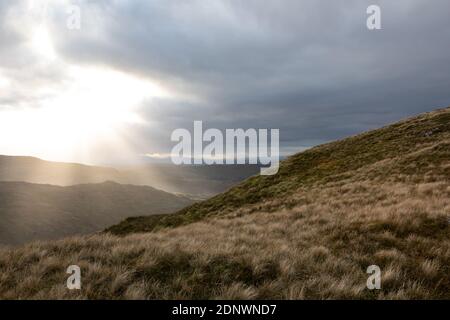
column 380, row 198
column 320, row 248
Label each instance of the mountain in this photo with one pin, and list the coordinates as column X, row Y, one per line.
column 34, row 170
column 310, row 232
column 197, row 181
column 38, row 212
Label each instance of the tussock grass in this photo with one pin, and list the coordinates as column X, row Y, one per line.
column 320, row 248
column 349, row 205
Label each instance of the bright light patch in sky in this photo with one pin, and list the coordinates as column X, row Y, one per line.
column 95, row 105
column 42, row 44
column 4, row 82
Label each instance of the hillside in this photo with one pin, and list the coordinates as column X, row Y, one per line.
column 198, row 181
column 34, row 170
column 418, row 148
column 311, row 231
column 37, row 212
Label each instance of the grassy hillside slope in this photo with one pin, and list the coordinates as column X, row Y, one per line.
column 382, row 197
column 37, row 212
column 397, row 152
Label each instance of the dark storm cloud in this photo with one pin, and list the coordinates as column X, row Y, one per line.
column 310, row 68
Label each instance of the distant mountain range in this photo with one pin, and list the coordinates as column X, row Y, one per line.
column 197, row 181
column 37, row 212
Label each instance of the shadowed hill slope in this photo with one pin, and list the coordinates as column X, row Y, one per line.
column 38, row 212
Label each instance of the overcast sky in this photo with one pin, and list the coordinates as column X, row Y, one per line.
column 310, row 68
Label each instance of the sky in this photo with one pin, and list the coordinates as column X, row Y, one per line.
column 113, row 90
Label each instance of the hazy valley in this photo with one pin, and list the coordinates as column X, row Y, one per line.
column 197, row 181
column 42, row 200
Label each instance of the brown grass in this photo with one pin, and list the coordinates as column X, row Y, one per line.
column 389, row 207
column 320, row 248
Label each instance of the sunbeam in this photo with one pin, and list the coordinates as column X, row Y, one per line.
column 91, row 108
